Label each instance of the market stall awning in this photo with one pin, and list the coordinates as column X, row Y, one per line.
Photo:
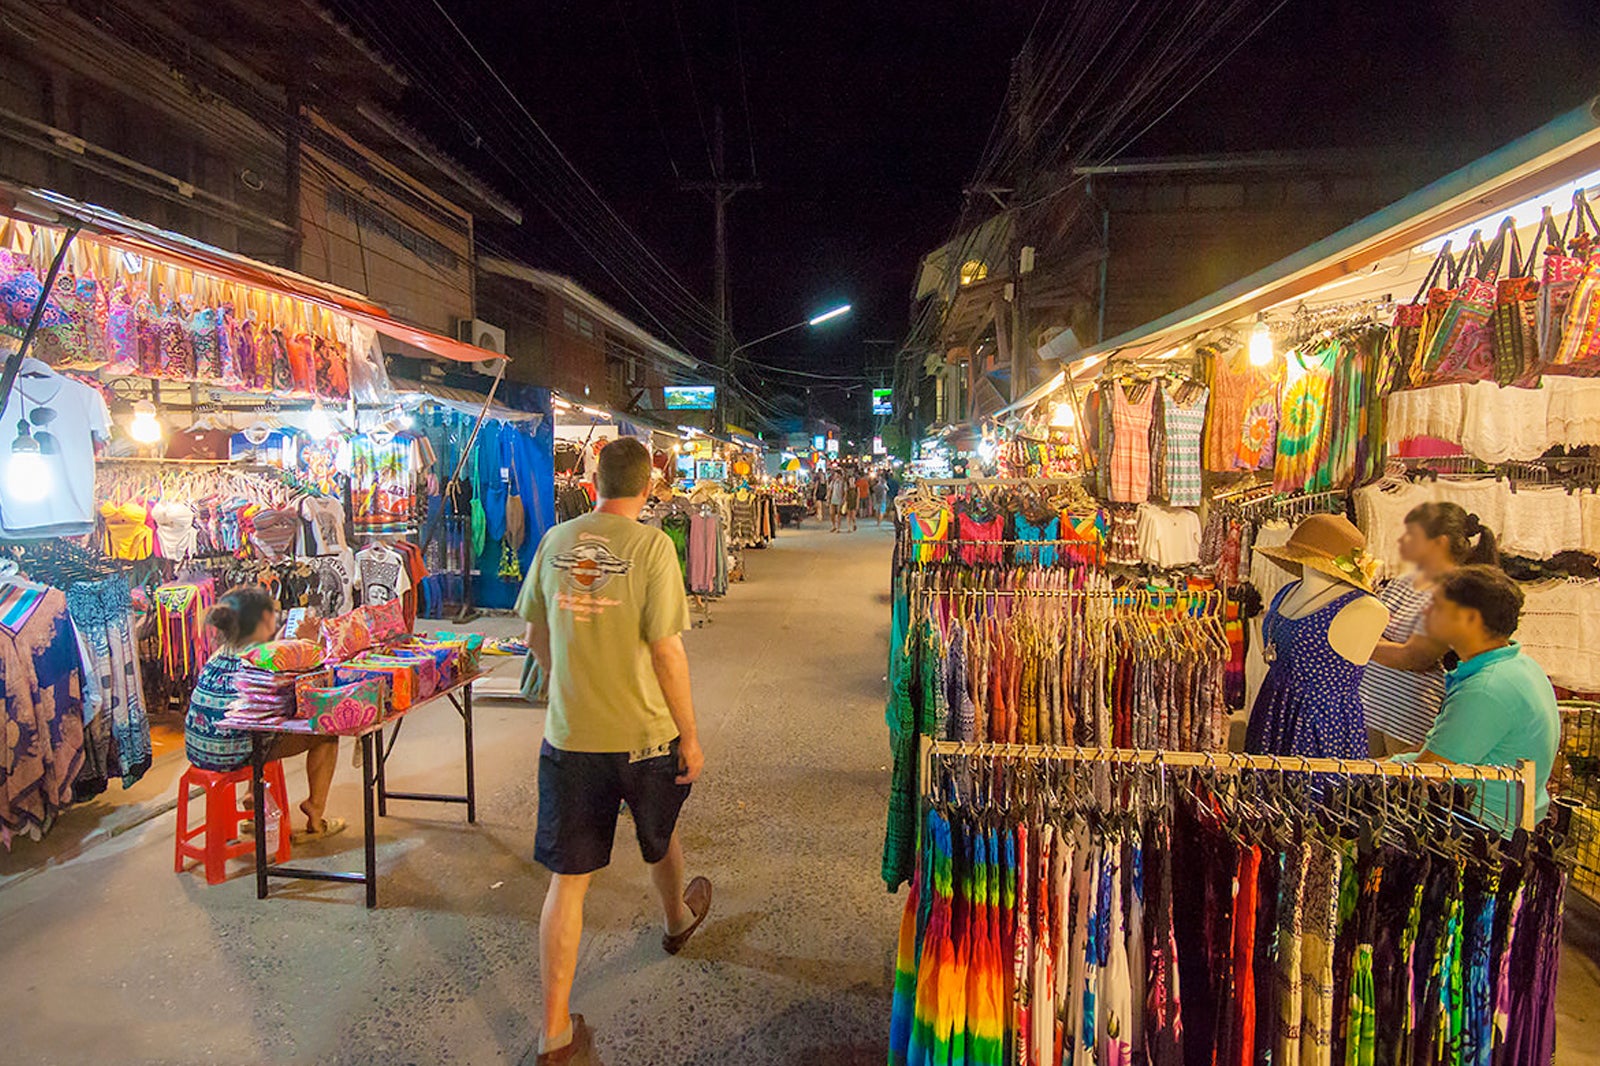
column 1554, row 155
column 40, row 206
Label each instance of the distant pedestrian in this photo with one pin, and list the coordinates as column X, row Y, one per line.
column 605, row 607
column 880, row 497
column 836, row 498
column 864, row 491
column 852, row 497
column 819, row 490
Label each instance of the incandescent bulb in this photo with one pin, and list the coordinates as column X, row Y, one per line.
column 1261, row 343
column 318, row 422
column 145, row 427
column 27, row 475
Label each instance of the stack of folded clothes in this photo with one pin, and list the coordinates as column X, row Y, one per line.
column 268, row 677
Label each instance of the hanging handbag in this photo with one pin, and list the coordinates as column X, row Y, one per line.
column 1579, row 351
column 1565, row 256
column 1458, row 348
column 1406, row 333
column 1514, row 327
column 516, row 515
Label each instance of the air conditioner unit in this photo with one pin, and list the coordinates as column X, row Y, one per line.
column 484, row 335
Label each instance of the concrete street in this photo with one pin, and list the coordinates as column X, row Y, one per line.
column 107, row 956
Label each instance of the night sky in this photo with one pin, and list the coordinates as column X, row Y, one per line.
column 866, row 120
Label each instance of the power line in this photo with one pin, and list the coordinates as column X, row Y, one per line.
column 744, row 91
column 649, row 97
column 694, row 94
column 580, row 212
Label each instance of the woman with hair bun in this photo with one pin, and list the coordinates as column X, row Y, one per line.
column 245, row 616
column 1403, row 687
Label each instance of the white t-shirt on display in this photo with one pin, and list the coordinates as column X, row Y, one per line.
column 66, row 418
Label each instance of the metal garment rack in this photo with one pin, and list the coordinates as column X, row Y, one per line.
column 1522, row 775
column 959, row 482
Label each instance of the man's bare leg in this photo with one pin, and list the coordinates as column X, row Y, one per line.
column 560, row 931
column 668, row 877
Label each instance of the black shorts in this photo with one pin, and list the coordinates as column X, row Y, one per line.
column 579, row 796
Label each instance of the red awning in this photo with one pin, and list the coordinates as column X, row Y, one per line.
column 40, row 207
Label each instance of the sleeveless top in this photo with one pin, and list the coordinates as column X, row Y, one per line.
column 1130, row 445
column 1044, row 555
column 922, row 531
column 1309, row 703
column 971, row 529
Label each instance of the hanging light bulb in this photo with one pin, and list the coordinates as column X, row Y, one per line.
column 27, row 474
column 1062, row 416
column 145, row 427
column 1261, row 342
column 319, row 423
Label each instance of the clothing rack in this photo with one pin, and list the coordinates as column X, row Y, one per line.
column 1131, row 595
column 958, row 482
column 1522, row 775
column 1541, row 471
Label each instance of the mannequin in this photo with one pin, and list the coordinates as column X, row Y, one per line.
column 1317, row 637
column 1355, row 630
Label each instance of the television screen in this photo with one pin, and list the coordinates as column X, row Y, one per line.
column 691, row 397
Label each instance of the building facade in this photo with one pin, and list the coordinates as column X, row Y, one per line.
column 274, row 139
column 1105, row 249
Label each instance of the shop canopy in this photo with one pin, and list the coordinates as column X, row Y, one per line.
column 1383, row 253
column 42, row 207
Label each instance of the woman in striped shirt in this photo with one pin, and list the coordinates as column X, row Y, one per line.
column 1403, row 685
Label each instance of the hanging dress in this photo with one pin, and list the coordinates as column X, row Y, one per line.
column 1303, row 430
column 1130, row 445
column 1308, row 703
column 1184, row 423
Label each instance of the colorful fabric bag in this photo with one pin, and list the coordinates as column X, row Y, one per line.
column 1565, row 256
column 285, row 656
column 344, row 708
column 1579, row 349
column 399, row 681
column 386, row 621
column 1405, row 335
column 1513, row 328
column 346, row 636
column 1459, row 347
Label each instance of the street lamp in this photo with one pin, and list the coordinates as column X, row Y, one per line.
column 826, row 316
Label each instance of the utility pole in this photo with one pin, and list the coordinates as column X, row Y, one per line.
column 1022, row 105
column 720, row 191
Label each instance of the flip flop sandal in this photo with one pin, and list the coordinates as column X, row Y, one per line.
column 330, row 827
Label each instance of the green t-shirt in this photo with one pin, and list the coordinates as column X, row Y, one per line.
column 1498, row 708
column 608, row 587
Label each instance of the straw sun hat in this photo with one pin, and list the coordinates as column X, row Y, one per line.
column 1331, row 544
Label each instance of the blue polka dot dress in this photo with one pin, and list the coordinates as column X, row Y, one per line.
column 1308, row 704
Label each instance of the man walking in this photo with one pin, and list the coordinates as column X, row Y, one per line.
column 605, row 607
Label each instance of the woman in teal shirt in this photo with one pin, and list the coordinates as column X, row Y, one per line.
column 1499, row 706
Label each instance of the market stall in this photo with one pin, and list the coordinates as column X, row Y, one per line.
column 188, row 420
column 1441, row 350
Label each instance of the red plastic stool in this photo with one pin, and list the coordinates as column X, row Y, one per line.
column 223, row 815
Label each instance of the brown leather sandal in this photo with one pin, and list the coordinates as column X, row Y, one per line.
column 698, row 898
